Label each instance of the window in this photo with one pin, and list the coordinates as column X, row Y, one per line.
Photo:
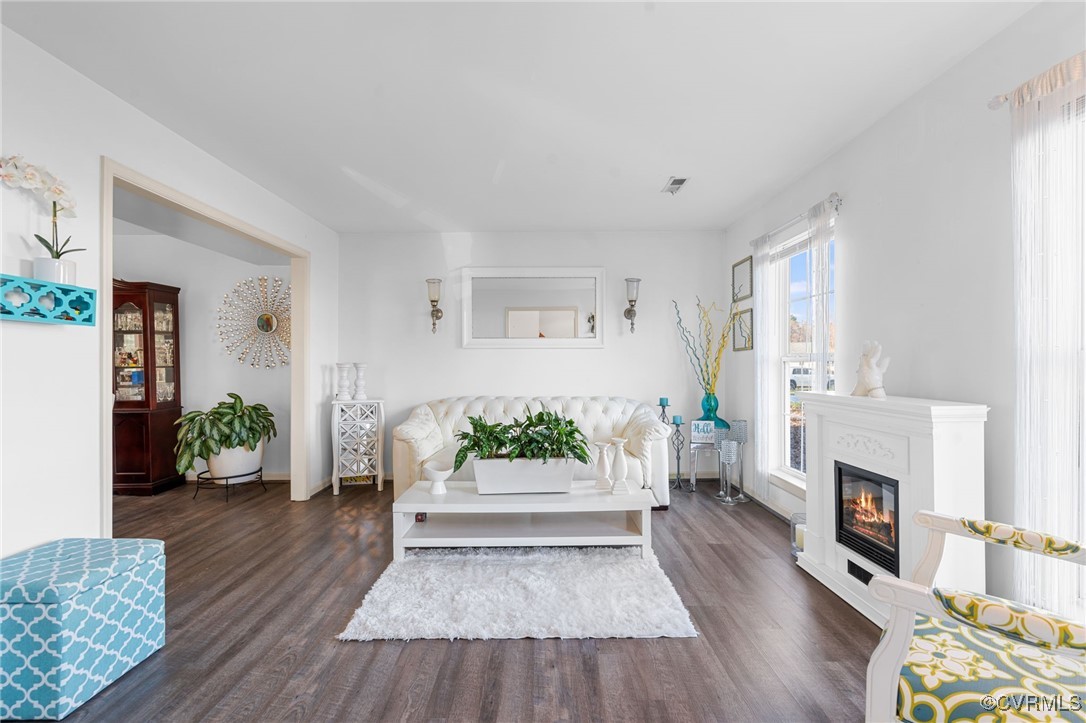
column 805, row 334
column 795, row 338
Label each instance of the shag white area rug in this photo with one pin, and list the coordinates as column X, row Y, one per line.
column 521, row 592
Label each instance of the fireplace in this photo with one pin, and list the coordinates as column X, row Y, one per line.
column 933, row 453
column 867, row 514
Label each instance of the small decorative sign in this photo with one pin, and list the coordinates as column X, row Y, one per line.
column 702, row 431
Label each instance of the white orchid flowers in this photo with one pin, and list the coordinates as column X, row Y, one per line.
column 17, row 173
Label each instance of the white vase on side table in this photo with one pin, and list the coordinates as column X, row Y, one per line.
column 343, row 382
column 359, row 382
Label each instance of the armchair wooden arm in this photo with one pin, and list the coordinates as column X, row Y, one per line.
column 1062, row 638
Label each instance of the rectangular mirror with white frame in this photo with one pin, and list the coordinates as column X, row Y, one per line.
column 532, row 307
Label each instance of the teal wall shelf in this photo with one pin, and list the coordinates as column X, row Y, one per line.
column 44, row 302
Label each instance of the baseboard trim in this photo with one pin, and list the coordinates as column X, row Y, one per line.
column 767, row 508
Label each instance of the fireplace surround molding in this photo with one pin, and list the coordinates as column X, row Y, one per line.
column 934, row 450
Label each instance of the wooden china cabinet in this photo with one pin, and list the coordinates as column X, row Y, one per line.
column 146, row 387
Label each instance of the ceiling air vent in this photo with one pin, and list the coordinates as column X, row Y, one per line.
column 674, row 185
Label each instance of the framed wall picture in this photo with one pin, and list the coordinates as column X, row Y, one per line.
column 743, row 331
column 743, row 279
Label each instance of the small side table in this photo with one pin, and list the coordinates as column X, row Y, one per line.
column 716, row 446
column 204, row 481
column 695, row 449
column 358, row 440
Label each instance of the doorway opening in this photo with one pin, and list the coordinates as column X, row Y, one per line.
column 168, row 216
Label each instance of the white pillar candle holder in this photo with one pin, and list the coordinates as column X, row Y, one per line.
column 343, row 382
column 619, row 468
column 603, row 467
column 359, row 382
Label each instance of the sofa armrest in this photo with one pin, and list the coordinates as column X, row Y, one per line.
column 643, row 429
column 412, row 442
column 419, row 426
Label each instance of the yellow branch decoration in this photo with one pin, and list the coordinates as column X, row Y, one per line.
column 706, row 348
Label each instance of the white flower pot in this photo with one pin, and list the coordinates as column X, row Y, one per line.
column 518, row 476
column 236, row 461
column 59, row 271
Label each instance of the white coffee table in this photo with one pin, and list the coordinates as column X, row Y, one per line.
column 464, row 518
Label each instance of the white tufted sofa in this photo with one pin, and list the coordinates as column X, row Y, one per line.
column 429, row 435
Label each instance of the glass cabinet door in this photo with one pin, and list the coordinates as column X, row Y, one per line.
column 165, row 340
column 129, row 381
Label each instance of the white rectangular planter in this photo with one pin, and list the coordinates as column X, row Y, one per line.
column 518, row 476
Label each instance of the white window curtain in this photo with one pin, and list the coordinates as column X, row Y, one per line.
column 819, row 221
column 765, row 349
column 1049, row 129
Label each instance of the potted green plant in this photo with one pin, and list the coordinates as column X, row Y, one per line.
column 230, row 437
column 535, row 454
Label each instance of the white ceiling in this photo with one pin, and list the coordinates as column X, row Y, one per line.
column 492, row 116
column 134, row 215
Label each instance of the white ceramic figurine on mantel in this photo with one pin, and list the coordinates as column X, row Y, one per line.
column 869, row 374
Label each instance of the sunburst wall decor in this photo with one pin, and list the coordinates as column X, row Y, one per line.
column 254, row 321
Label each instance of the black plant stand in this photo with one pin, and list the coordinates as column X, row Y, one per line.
column 204, row 480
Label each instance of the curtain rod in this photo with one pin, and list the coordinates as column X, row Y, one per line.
column 833, row 198
column 1056, row 77
column 786, row 224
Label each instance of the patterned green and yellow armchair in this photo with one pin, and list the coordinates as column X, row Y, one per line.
column 950, row 655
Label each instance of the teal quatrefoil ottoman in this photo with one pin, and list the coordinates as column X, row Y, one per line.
column 75, row 615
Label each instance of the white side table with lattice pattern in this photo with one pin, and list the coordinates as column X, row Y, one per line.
column 358, row 438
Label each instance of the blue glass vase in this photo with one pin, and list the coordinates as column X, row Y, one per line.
column 709, row 405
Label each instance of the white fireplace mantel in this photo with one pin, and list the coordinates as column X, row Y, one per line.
column 934, row 449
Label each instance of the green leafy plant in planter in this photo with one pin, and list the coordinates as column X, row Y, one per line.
column 544, row 435
column 228, row 425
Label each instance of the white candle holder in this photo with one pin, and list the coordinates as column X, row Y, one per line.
column 359, row 382
column 343, row 382
column 619, row 468
column 603, row 467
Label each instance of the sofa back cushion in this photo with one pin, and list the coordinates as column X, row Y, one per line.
column 600, row 418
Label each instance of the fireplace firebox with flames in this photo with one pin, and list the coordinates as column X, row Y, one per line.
column 867, row 515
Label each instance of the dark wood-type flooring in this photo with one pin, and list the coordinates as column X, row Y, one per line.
column 258, row 588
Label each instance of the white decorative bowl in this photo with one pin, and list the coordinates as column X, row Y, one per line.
column 437, row 479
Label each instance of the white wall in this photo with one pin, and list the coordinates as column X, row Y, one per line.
column 50, row 450
column 208, row 371
column 924, row 244
column 386, row 318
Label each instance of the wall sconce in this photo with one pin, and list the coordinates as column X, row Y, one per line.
column 632, row 286
column 433, row 290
